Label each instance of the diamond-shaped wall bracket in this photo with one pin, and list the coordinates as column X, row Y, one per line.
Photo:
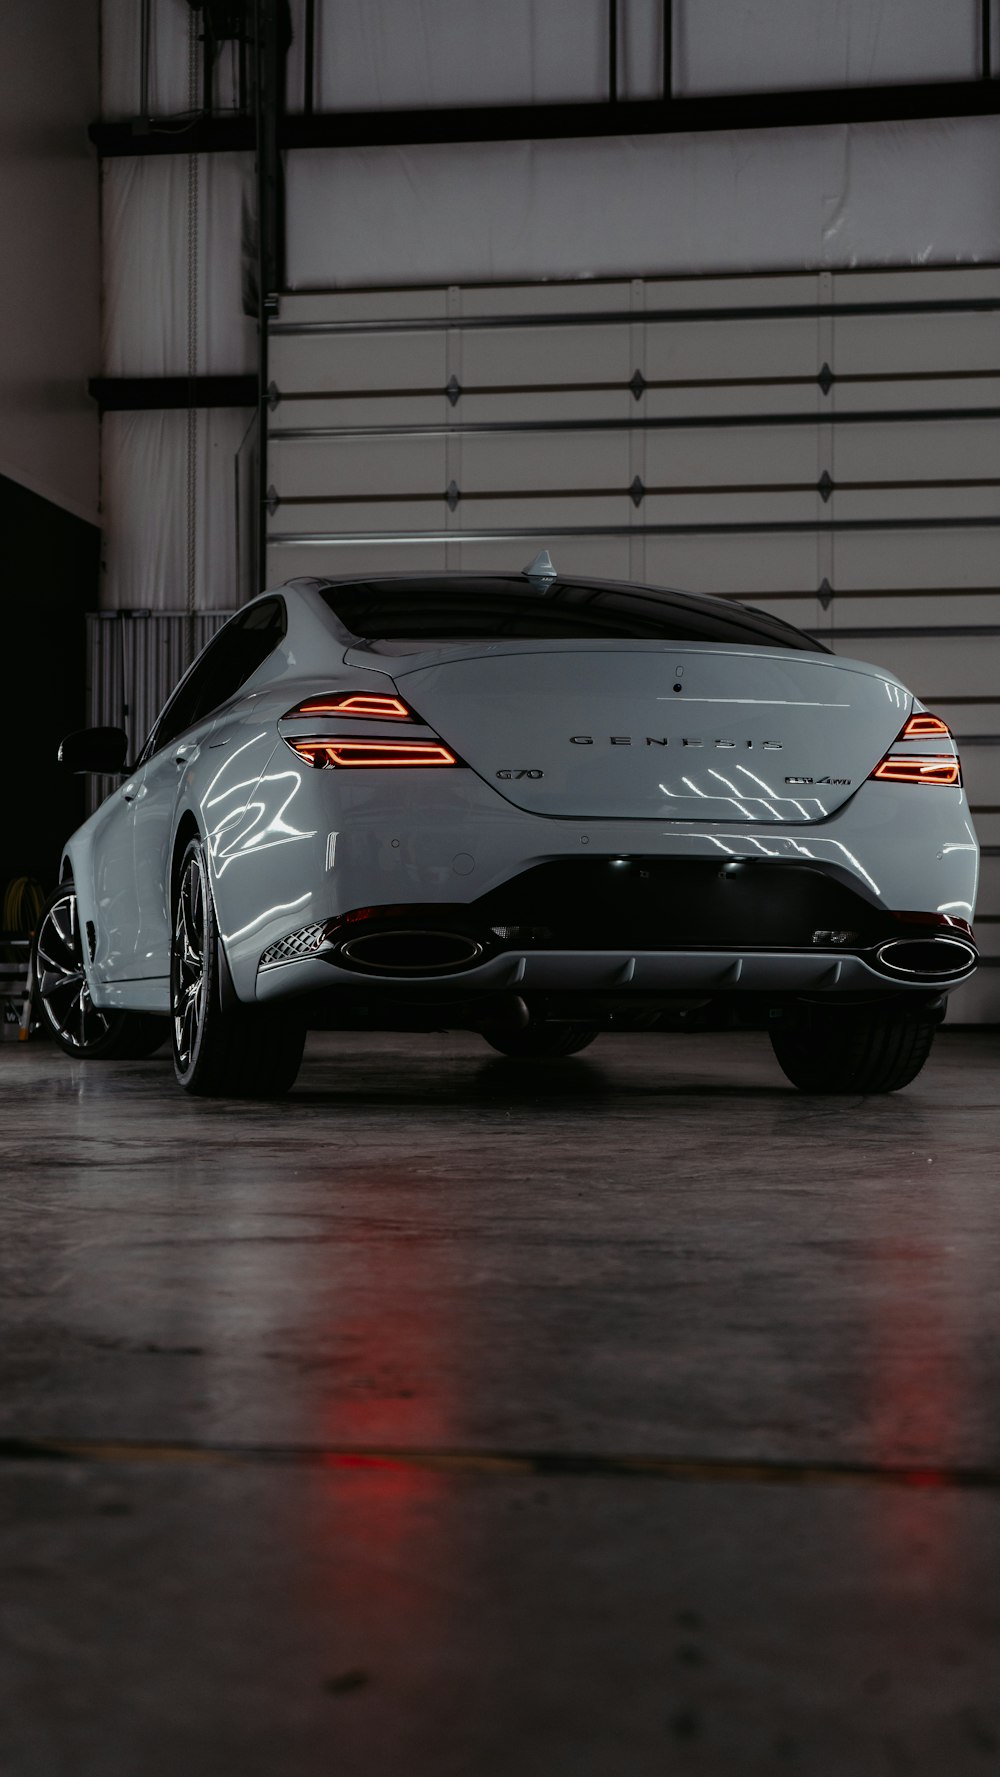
column 825, row 485
column 453, row 390
column 453, row 495
column 273, row 396
column 638, row 385
column 637, row 491
column 825, row 594
column 826, row 379
column 272, row 501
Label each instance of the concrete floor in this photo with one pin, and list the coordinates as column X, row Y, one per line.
column 622, row 1415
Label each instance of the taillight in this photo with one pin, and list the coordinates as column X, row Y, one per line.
column 942, row 769
column 923, row 726
column 898, row 769
column 375, row 704
column 343, row 753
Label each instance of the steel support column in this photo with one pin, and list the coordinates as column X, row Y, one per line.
column 268, row 76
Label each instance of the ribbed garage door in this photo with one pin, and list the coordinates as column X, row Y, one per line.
column 826, row 445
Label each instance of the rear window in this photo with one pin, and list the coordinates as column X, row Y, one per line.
column 484, row 609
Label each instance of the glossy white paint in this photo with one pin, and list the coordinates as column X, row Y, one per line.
column 643, row 730
column 289, row 845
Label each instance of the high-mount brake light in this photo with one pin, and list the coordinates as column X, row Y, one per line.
column 374, row 704
column 923, row 726
column 342, row 753
column 902, row 769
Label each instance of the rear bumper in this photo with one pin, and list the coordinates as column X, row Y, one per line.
column 640, row 925
column 618, row 973
column 890, row 847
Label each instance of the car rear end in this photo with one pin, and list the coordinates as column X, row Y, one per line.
column 645, row 826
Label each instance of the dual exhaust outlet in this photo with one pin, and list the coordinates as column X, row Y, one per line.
column 430, row 952
column 412, row 952
column 927, row 959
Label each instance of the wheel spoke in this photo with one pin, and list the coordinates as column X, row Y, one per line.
column 58, row 934
column 183, row 920
column 81, row 1019
column 50, row 986
column 62, row 983
column 191, row 935
column 63, row 987
column 67, row 932
column 188, row 962
column 53, row 962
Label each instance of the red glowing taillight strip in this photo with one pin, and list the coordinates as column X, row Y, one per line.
column 367, row 753
column 923, row 726
column 938, row 770
column 374, row 704
column 901, row 769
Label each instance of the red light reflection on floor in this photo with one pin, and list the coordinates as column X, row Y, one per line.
column 395, row 1387
column 917, row 1373
column 916, row 1356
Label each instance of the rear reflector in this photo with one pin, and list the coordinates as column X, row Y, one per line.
column 354, row 703
column 898, row 769
column 945, row 922
column 354, row 753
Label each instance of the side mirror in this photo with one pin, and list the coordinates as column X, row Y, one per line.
column 94, row 749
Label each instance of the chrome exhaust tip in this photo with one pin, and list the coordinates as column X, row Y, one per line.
column 927, row 959
column 411, row 952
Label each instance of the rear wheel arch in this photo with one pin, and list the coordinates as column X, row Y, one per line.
column 187, row 829
column 220, row 1047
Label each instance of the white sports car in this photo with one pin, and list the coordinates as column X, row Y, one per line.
column 534, row 807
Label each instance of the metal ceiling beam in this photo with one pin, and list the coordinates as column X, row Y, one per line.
column 518, row 123
column 146, row 394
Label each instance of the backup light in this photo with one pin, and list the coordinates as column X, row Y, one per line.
column 374, row 704
column 342, row 753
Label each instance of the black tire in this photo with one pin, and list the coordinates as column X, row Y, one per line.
column 536, row 1041
column 852, row 1048
column 62, row 999
column 220, row 1052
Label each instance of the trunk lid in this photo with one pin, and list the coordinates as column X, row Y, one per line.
column 597, row 730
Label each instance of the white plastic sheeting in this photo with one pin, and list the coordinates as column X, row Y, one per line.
column 473, row 52
column 169, row 67
column 726, row 46
column 145, row 468
column 146, row 277
column 425, row 53
column 873, row 194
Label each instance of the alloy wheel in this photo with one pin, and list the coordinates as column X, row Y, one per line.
column 62, row 981
column 189, row 961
